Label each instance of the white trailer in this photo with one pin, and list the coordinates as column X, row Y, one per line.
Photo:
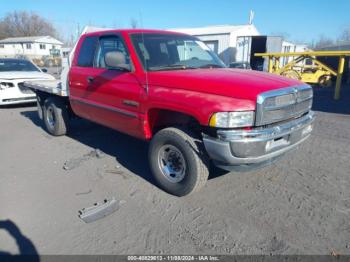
column 247, row 46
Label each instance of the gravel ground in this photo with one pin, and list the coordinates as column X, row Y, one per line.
column 299, row 205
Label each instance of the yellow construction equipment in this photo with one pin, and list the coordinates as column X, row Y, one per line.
column 314, row 73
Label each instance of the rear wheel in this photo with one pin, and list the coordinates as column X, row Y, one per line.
column 178, row 161
column 56, row 116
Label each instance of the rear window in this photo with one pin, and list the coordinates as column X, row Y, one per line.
column 87, row 51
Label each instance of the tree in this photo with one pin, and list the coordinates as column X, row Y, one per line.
column 22, row 23
column 284, row 35
column 323, row 41
column 133, row 23
column 345, row 35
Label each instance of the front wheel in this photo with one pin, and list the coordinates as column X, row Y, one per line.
column 178, row 161
column 291, row 74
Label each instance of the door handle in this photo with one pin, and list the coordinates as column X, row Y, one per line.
column 90, row 79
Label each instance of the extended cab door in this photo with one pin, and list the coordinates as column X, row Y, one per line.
column 109, row 96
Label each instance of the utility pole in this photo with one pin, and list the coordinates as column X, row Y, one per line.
column 251, row 16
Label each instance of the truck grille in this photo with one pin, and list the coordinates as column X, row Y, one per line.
column 278, row 105
column 24, row 89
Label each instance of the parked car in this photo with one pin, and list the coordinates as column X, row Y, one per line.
column 240, row 65
column 172, row 90
column 13, row 72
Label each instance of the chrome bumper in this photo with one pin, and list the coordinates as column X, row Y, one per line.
column 247, row 147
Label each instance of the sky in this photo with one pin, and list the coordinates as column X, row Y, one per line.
column 301, row 21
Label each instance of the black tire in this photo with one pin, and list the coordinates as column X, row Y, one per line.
column 325, row 81
column 292, row 74
column 55, row 109
column 196, row 161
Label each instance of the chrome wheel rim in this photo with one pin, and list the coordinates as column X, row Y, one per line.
column 50, row 117
column 172, row 163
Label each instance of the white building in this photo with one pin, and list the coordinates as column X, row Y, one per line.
column 31, row 46
column 65, row 51
column 222, row 39
column 290, row 47
column 239, row 43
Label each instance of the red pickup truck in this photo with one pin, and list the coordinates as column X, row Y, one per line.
column 170, row 89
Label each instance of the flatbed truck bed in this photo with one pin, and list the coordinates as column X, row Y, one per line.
column 47, row 86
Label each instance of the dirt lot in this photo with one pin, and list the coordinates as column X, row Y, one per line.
column 299, row 205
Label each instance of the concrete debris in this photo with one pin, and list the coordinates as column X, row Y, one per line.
column 76, row 162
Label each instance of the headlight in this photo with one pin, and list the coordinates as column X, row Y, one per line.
column 232, row 119
column 4, row 85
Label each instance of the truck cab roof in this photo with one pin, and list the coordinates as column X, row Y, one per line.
column 134, row 31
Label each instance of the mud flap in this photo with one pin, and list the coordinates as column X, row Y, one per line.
column 40, row 107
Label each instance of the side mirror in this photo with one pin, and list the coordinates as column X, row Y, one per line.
column 116, row 60
column 44, row 70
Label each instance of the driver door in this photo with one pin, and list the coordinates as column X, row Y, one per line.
column 112, row 94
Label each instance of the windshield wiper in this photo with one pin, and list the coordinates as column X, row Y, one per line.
column 170, row 67
column 211, row 66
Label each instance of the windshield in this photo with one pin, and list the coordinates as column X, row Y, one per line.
column 7, row 65
column 159, row 52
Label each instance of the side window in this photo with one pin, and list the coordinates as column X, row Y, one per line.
column 110, row 44
column 87, row 51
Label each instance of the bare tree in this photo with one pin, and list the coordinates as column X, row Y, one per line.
column 133, row 23
column 284, row 35
column 323, row 41
column 22, row 23
column 345, row 35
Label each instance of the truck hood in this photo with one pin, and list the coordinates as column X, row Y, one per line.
column 25, row 75
column 237, row 83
